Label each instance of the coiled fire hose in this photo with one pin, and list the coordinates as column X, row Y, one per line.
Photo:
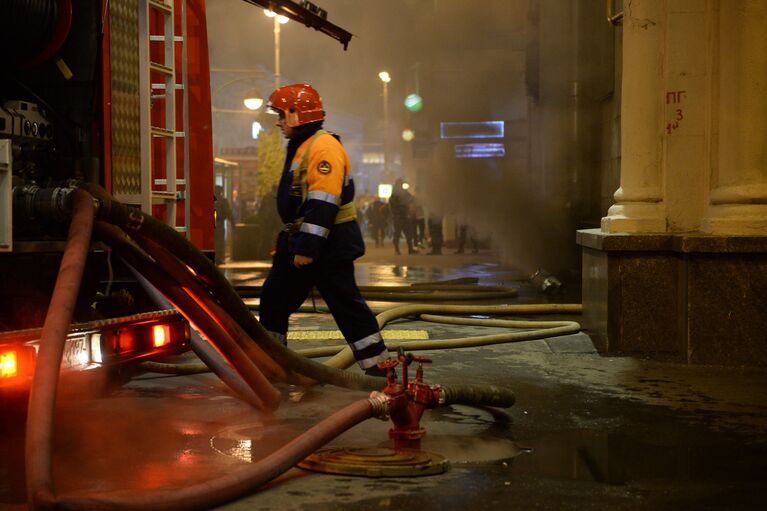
column 543, row 329
column 343, row 357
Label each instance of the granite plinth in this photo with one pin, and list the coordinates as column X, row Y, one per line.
column 688, row 297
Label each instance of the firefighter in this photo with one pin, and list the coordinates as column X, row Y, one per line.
column 321, row 237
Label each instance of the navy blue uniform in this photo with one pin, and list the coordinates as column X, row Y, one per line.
column 315, row 202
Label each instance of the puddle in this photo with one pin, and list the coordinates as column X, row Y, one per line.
column 472, row 449
column 253, row 441
column 617, row 459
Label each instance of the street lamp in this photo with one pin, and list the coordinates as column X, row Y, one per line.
column 253, row 100
column 385, row 78
column 278, row 20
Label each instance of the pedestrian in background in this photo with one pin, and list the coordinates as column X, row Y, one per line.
column 378, row 217
column 222, row 211
column 435, row 232
column 399, row 205
column 465, row 231
column 238, row 208
column 418, row 222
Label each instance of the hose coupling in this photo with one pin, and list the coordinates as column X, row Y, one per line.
column 381, row 405
column 437, row 390
column 32, row 202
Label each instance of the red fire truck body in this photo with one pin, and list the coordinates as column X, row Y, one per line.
column 113, row 92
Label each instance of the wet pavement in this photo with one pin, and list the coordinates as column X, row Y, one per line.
column 587, row 432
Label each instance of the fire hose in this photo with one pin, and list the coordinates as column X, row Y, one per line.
column 246, row 367
column 419, row 293
column 343, row 356
column 42, row 397
column 197, row 304
column 143, row 227
column 229, row 487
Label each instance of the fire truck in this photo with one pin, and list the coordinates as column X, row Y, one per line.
column 116, row 93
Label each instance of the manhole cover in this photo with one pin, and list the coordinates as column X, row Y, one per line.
column 376, row 462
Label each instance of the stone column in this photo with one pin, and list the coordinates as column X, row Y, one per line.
column 694, row 170
column 738, row 198
column 639, row 200
column 689, row 49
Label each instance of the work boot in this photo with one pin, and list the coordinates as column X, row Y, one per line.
column 379, row 372
column 281, row 338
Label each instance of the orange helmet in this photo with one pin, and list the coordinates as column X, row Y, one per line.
column 300, row 103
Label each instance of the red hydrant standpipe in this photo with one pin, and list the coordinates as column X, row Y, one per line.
column 409, row 401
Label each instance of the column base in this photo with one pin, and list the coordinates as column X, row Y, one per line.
column 736, row 219
column 685, row 297
column 635, row 217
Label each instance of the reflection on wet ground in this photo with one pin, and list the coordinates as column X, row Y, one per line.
column 618, row 458
column 587, row 432
column 165, row 432
column 486, row 274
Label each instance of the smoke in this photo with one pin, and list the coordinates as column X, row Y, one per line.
column 510, row 60
column 507, row 207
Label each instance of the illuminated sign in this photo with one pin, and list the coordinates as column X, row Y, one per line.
column 482, row 150
column 487, row 129
column 372, row 158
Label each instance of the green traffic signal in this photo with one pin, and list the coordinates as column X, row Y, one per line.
column 414, row 103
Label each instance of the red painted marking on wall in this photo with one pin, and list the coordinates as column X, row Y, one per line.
column 675, row 96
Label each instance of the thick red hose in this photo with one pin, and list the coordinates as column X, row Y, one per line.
column 203, row 349
column 119, row 242
column 180, row 272
column 231, row 486
column 42, row 399
column 136, row 222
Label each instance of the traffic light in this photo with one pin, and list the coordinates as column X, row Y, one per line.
column 414, row 102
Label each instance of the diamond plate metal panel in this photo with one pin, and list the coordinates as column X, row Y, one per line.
column 124, row 68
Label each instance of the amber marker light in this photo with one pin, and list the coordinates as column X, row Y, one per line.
column 8, row 364
column 160, row 336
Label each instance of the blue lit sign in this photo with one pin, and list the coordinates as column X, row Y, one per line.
column 487, row 129
column 480, row 150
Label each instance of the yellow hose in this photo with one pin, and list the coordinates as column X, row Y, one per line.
column 344, row 358
column 419, row 292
